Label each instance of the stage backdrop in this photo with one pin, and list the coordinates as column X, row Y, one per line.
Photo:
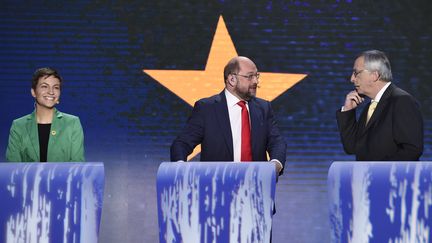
column 118, row 60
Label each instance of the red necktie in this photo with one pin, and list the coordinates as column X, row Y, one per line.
column 246, row 148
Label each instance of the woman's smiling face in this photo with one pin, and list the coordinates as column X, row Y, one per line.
column 47, row 91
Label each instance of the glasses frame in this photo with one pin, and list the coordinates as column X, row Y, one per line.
column 249, row 77
column 356, row 73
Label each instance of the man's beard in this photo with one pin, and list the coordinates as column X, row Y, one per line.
column 249, row 94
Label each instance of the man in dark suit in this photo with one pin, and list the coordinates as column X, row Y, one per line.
column 221, row 123
column 390, row 128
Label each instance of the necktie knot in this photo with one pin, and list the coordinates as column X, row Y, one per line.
column 242, row 104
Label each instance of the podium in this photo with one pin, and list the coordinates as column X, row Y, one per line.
column 380, row 201
column 50, row 202
column 215, row 201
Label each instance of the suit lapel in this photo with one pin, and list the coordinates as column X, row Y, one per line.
column 32, row 131
column 256, row 117
column 380, row 107
column 224, row 121
column 53, row 135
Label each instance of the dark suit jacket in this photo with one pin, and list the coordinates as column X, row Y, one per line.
column 394, row 132
column 209, row 125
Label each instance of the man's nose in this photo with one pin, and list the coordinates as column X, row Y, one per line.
column 352, row 78
column 255, row 80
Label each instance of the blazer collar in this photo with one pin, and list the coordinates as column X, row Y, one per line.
column 256, row 123
column 380, row 107
column 224, row 121
column 57, row 114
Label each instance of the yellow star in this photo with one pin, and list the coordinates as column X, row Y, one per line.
column 192, row 85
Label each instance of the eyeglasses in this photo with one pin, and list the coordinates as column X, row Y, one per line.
column 249, row 77
column 355, row 73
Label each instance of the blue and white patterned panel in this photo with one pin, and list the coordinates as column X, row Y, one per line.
column 215, row 201
column 50, row 202
column 380, row 202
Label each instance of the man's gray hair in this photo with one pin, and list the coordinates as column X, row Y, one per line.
column 375, row 60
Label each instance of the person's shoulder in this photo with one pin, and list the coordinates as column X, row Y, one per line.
column 400, row 96
column 260, row 101
column 22, row 120
column 399, row 92
column 211, row 100
column 66, row 116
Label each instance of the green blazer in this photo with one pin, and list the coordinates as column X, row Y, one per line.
column 66, row 141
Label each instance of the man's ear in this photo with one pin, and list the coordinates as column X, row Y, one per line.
column 376, row 75
column 231, row 79
column 33, row 93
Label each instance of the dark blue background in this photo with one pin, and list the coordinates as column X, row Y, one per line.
column 129, row 119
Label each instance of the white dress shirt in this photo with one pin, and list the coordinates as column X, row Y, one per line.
column 235, row 115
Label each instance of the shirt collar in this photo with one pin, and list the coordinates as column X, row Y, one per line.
column 231, row 99
column 381, row 92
